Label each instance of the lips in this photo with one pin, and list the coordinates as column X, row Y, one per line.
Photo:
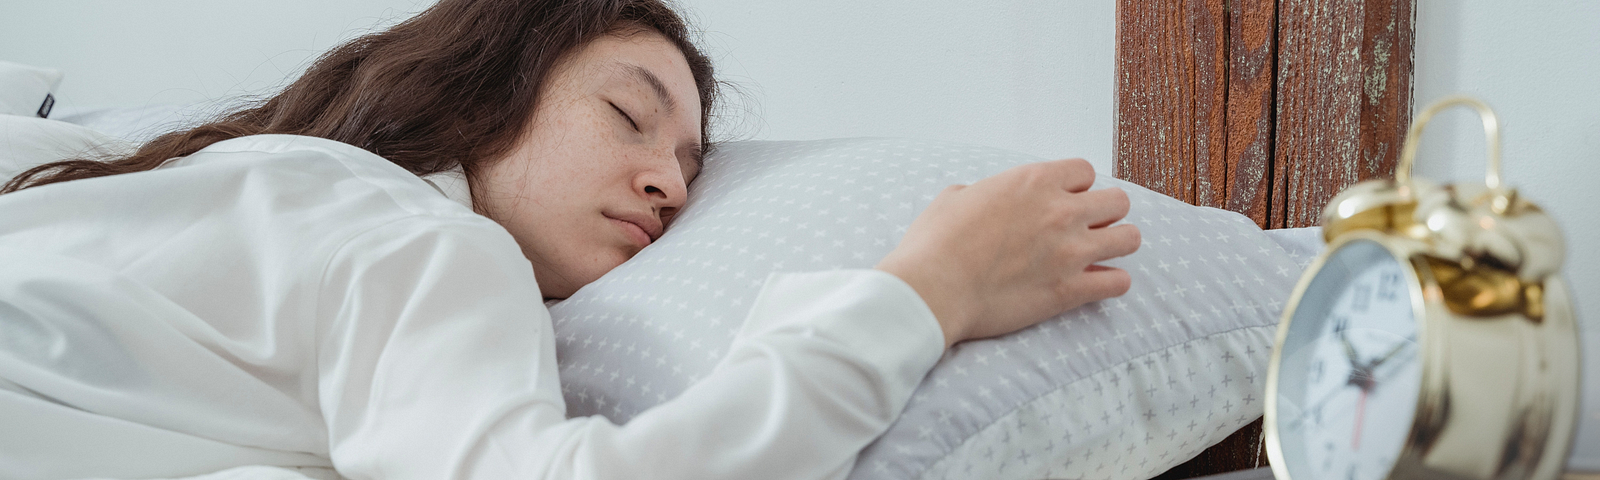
column 642, row 228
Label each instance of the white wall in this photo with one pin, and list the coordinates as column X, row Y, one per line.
column 1028, row 75
column 1538, row 64
column 135, row 53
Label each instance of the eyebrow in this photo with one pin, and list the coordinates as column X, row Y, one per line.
column 655, row 84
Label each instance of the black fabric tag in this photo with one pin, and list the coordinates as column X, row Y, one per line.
column 49, row 103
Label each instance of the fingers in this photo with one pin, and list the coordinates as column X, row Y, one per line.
column 1113, row 242
column 1075, row 174
column 1101, row 282
column 1104, row 206
column 1102, row 244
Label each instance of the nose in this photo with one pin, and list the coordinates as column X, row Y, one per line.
column 662, row 184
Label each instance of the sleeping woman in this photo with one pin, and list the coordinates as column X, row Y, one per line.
column 347, row 278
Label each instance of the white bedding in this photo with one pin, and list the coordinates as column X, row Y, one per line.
column 990, row 421
column 1302, row 244
column 255, row 472
column 1120, row 389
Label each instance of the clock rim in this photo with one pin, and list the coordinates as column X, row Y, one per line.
column 1403, row 251
column 1524, row 436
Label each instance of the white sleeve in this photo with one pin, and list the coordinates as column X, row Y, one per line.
column 438, row 361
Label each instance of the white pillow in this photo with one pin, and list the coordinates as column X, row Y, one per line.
column 27, row 90
column 27, row 142
column 145, row 123
column 1124, row 388
column 1302, row 244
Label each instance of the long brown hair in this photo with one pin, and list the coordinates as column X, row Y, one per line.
column 454, row 85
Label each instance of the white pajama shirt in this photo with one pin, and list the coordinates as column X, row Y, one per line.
column 302, row 303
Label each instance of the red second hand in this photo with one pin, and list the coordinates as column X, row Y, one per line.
column 1361, row 409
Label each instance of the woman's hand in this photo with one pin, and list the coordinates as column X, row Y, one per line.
column 1014, row 249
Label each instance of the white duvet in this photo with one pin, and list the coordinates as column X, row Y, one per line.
column 949, row 462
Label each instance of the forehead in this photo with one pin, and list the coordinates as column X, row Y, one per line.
column 631, row 58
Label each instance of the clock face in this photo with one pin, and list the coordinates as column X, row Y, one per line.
column 1350, row 369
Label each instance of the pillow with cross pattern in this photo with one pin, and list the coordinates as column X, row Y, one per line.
column 1122, row 388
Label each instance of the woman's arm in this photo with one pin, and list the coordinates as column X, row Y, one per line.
column 438, row 361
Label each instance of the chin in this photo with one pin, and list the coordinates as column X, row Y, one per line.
column 580, row 275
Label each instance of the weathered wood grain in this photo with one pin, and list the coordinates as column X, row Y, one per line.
column 1343, row 99
column 1264, row 107
column 1390, row 38
column 1252, row 38
column 1195, row 84
column 1208, row 26
column 1171, row 95
column 1152, row 99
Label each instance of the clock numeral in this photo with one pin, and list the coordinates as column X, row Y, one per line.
column 1327, row 462
column 1389, row 286
column 1361, row 298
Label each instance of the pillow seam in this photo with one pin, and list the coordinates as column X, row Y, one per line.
column 1020, row 405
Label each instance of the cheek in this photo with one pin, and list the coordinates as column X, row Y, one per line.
column 556, row 216
column 575, row 160
column 551, row 191
column 551, row 173
column 541, row 214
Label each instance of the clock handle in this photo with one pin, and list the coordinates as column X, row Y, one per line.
column 1491, row 132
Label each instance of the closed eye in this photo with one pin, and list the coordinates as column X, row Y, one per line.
column 625, row 115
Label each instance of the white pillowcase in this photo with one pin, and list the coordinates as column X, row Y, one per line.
column 1123, row 388
column 1302, row 244
column 143, row 124
column 27, row 90
column 27, row 142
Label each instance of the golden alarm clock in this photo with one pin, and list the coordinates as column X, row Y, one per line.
column 1432, row 339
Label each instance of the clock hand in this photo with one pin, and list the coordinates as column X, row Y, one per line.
column 1362, row 374
column 1349, row 350
column 1390, row 367
column 1397, row 347
column 1365, row 378
column 1319, row 404
column 1361, row 411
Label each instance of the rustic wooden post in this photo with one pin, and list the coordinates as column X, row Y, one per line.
column 1344, row 99
column 1252, row 81
column 1264, row 107
column 1171, row 97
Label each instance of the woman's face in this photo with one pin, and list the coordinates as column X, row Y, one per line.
column 605, row 163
